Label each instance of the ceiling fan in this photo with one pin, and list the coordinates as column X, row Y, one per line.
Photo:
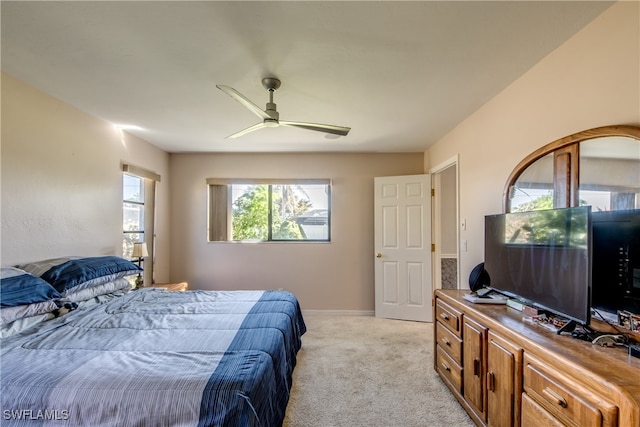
column 270, row 117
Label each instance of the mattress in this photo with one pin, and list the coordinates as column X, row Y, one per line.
column 157, row 358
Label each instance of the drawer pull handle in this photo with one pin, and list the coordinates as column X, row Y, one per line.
column 491, row 381
column 555, row 397
column 476, row 367
column 446, row 341
column 446, row 367
column 444, row 316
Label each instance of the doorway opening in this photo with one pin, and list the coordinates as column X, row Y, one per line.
column 445, row 225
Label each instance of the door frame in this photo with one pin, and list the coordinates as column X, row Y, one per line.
column 436, row 219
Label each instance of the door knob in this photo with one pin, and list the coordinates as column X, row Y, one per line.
column 378, row 255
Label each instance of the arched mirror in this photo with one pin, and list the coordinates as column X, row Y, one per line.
column 598, row 167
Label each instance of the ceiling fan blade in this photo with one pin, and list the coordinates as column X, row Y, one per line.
column 336, row 130
column 244, row 101
column 247, row 130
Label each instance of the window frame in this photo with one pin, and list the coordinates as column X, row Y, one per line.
column 220, row 218
column 141, row 230
column 149, row 181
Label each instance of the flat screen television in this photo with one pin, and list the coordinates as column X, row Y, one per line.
column 544, row 258
column 616, row 261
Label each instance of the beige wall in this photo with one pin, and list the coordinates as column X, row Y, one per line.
column 592, row 80
column 324, row 276
column 62, row 180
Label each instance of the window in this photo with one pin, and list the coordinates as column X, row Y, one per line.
column 132, row 213
column 269, row 210
column 138, row 213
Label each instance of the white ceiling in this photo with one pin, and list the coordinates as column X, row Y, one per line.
column 400, row 74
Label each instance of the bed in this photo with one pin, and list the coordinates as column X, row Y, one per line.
column 150, row 357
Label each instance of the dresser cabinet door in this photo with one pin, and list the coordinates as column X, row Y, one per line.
column 474, row 347
column 504, row 384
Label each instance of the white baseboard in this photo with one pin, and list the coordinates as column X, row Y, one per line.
column 448, row 256
column 339, row 312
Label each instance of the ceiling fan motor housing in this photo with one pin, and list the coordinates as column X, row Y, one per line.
column 271, row 83
column 271, row 111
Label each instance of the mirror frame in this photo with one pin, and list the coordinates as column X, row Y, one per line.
column 566, row 163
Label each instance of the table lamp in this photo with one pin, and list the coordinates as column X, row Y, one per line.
column 139, row 252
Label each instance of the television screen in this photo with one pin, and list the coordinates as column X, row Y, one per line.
column 542, row 257
column 616, row 261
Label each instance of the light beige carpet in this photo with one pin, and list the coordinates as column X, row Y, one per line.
column 365, row 371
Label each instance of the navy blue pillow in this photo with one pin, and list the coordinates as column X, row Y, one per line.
column 18, row 287
column 86, row 272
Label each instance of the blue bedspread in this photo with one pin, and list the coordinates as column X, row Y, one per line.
column 157, row 358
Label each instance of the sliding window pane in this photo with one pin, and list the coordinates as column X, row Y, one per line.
column 128, row 241
column 300, row 212
column 133, row 188
column 250, row 212
column 132, row 217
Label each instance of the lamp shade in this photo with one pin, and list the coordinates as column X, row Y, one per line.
column 140, row 250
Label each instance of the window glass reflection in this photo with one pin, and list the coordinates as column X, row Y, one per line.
column 534, row 188
column 610, row 173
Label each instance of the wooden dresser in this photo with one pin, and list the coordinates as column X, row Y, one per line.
column 506, row 372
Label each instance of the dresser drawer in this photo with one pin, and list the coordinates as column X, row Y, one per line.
column 449, row 368
column 449, row 342
column 449, row 317
column 565, row 399
column 534, row 415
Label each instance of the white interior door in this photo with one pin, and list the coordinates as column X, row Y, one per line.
column 402, row 221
